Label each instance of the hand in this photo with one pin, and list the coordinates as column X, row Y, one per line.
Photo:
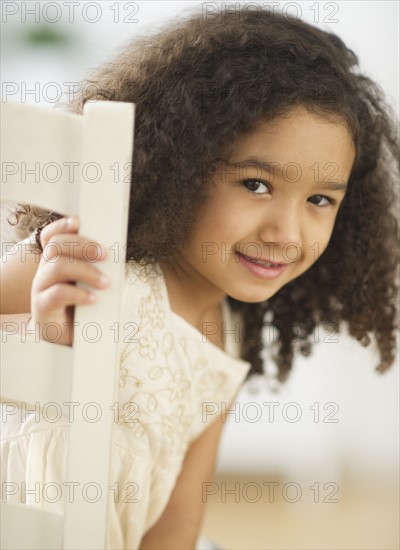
column 66, row 258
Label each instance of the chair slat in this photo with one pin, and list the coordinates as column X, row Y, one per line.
column 34, row 371
column 30, row 528
column 99, row 143
column 41, row 157
column 107, row 142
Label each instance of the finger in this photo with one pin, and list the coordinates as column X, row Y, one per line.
column 64, row 271
column 55, row 299
column 62, row 225
column 75, row 247
column 56, row 240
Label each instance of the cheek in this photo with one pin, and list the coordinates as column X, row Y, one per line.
column 214, row 232
column 226, row 218
column 316, row 240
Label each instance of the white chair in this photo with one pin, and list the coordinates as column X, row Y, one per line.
column 100, row 143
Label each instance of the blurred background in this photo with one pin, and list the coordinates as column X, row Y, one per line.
column 315, row 464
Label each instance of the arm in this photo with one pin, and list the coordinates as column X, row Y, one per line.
column 179, row 525
column 17, row 271
column 48, row 282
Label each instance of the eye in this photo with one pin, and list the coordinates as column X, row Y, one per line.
column 253, row 186
column 329, row 200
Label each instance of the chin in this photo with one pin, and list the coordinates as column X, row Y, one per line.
column 253, row 297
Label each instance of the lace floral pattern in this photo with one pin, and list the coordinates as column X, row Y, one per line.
column 163, row 377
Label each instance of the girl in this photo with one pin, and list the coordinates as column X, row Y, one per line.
column 263, row 186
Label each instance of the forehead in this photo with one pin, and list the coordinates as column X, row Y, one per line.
column 299, row 136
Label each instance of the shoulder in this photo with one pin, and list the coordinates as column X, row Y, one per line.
column 143, row 297
column 142, row 280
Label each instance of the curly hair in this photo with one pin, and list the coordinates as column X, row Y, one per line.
column 199, row 85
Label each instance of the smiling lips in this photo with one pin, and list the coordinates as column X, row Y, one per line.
column 261, row 268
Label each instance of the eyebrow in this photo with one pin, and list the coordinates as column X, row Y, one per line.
column 266, row 166
column 332, row 186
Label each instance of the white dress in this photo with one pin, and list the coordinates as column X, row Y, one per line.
column 168, row 372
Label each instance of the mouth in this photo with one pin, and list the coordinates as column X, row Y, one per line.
column 264, row 262
column 262, row 268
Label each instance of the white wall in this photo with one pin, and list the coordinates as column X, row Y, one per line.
column 365, row 439
column 352, row 426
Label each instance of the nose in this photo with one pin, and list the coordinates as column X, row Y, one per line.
column 282, row 229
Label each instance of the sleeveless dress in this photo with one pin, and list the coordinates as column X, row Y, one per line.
column 168, row 372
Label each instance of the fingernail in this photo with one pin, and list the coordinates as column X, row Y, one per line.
column 103, row 280
column 70, row 222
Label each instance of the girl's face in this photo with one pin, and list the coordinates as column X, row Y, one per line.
column 276, row 201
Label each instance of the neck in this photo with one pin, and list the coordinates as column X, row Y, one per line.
column 191, row 296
